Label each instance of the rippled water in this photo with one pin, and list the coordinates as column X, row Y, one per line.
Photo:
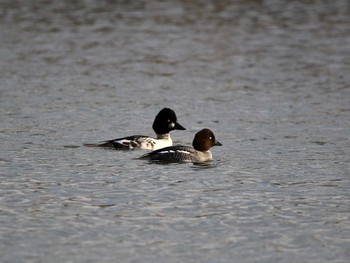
column 270, row 78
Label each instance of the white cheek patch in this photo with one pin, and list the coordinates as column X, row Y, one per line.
column 171, row 125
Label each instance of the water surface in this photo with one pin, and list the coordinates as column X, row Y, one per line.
column 270, row 78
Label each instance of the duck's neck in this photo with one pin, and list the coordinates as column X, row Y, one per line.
column 165, row 136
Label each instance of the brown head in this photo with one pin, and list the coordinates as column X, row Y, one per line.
column 204, row 140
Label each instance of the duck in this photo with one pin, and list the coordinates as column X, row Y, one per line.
column 164, row 122
column 200, row 152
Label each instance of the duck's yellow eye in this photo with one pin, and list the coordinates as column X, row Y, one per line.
column 210, row 138
column 169, row 120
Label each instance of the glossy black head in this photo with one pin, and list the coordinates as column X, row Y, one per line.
column 166, row 122
column 204, row 140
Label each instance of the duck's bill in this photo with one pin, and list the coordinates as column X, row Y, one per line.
column 178, row 127
column 217, row 143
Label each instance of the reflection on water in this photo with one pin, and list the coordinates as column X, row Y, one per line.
column 270, row 78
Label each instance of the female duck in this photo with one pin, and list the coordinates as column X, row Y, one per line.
column 202, row 142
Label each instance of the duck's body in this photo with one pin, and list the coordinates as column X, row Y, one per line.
column 139, row 141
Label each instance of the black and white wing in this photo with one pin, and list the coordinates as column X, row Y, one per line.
column 130, row 142
column 172, row 154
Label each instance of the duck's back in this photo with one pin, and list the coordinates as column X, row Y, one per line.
column 174, row 154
